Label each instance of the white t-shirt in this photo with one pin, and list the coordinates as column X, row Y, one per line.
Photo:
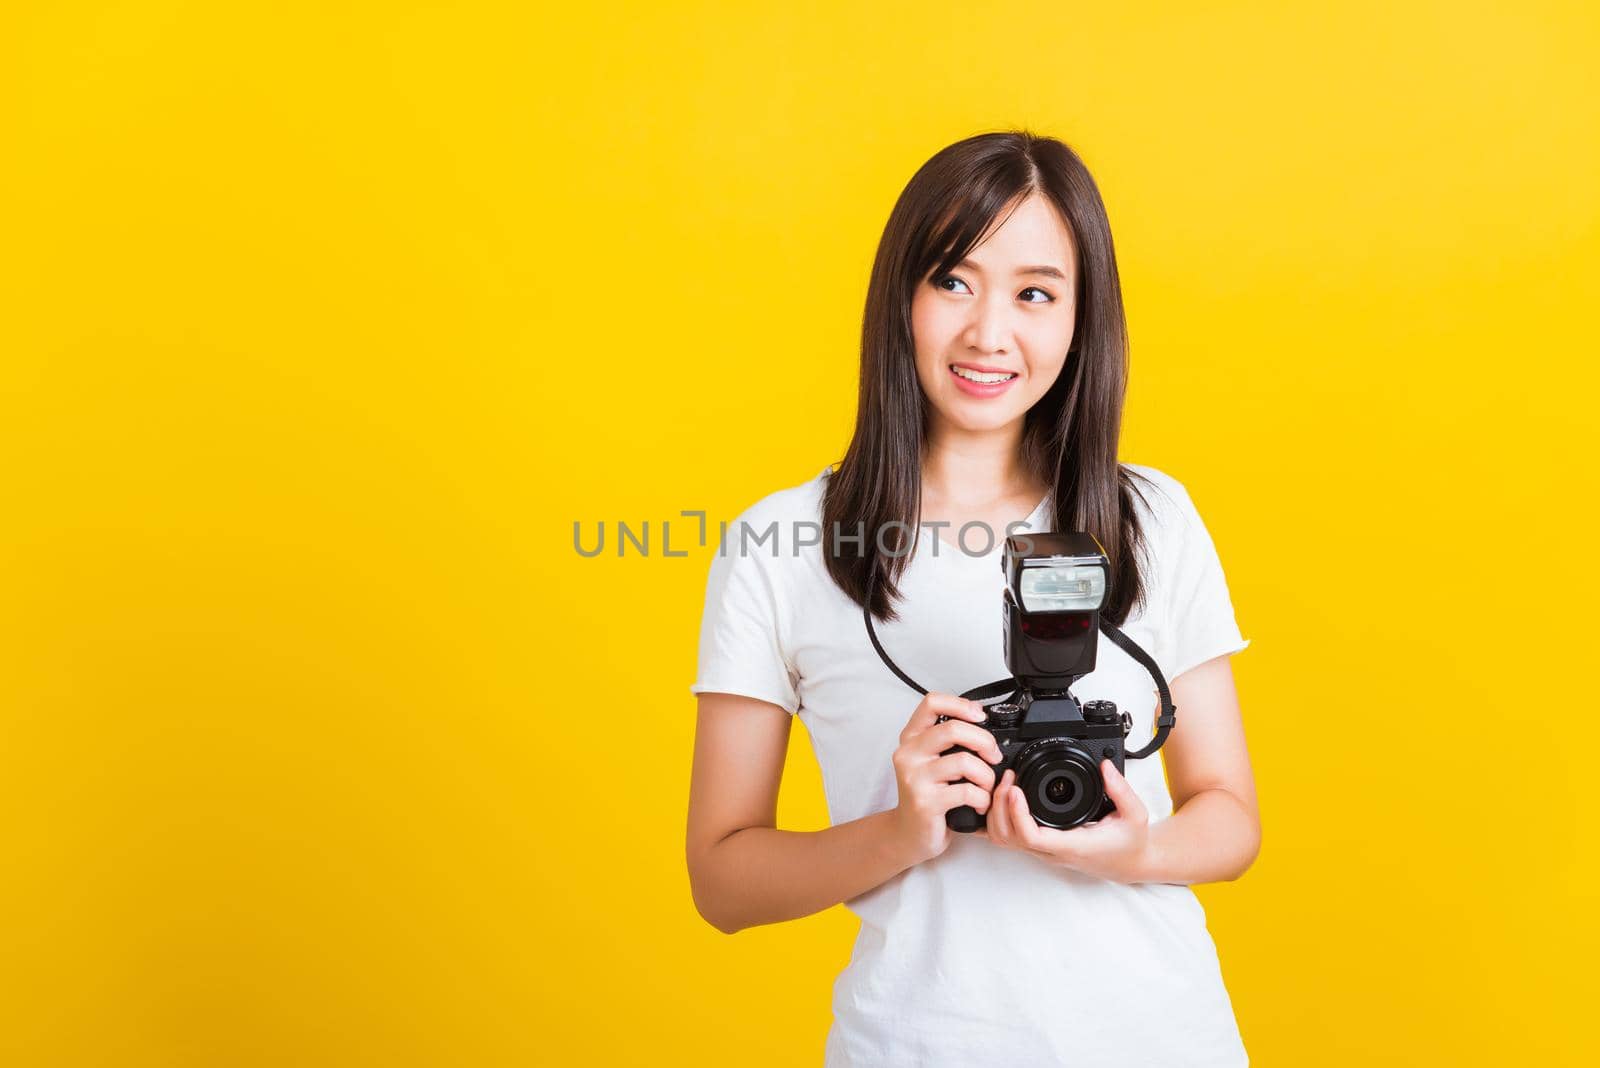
column 984, row 954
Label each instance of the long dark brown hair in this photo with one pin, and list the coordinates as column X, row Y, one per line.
column 1070, row 436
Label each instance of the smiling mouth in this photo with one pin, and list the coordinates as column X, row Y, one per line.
column 983, row 378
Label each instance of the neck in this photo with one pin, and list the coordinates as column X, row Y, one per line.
column 969, row 467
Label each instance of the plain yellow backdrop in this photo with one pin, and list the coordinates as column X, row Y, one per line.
column 322, row 324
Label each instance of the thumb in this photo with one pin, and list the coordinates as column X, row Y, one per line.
column 1122, row 793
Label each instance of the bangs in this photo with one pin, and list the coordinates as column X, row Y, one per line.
column 977, row 211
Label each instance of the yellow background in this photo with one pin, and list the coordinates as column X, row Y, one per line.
column 322, row 323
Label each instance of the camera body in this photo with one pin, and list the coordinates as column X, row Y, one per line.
column 1055, row 747
column 1055, row 585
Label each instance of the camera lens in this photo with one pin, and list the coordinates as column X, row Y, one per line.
column 1060, row 780
column 1061, row 790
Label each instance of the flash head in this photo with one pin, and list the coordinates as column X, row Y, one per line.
column 1056, row 572
column 1055, row 587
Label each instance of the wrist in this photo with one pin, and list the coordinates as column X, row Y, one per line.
column 898, row 847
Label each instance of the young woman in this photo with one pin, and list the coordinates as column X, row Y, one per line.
column 993, row 370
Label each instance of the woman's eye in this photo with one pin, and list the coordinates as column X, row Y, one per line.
column 1048, row 299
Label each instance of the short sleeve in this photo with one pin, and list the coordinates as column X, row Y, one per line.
column 1200, row 623
column 741, row 631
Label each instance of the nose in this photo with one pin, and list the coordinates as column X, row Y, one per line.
column 989, row 327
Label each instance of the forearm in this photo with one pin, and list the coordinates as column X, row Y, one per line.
column 1212, row 837
column 762, row 875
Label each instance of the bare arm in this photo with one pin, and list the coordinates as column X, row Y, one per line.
column 744, row 872
column 1214, row 832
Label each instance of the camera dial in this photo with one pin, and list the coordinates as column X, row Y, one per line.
column 1003, row 714
column 1106, row 712
column 1100, row 711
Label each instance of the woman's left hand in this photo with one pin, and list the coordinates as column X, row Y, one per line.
column 1114, row 848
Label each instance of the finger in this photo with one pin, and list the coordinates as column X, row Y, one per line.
column 963, row 793
column 934, row 705
column 1000, row 816
column 942, row 736
column 962, row 765
column 1051, row 843
column 1029, row 834
column 1122, row 794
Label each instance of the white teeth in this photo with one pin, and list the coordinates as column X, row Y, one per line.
column 987, row 378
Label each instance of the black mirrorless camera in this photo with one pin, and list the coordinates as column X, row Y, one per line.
column 1055, row 585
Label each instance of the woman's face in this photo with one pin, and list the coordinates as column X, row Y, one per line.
column 992, row 336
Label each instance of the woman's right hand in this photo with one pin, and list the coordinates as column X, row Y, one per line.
column 931, row 785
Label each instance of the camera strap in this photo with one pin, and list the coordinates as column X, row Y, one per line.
column 1010, row 688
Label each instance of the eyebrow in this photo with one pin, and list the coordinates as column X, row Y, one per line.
column 1044, row 269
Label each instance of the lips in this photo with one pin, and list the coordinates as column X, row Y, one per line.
column 977, row 380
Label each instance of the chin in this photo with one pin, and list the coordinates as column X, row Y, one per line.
column 964, row 417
